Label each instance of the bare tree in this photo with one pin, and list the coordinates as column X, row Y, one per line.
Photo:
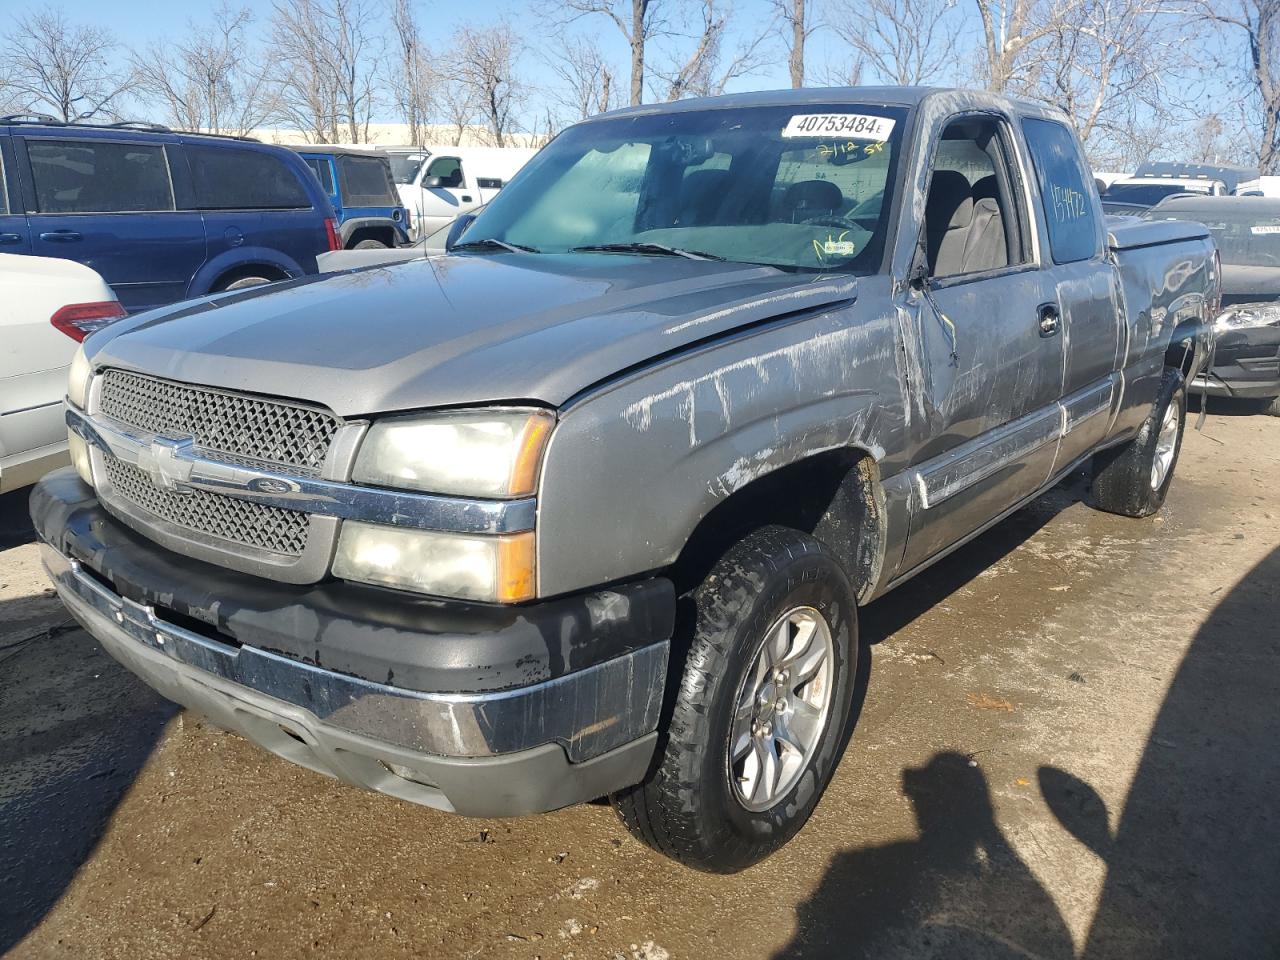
column 1257, row 22
column 63, row 68
column 585, row 82
column 1108, row 59
column 705, row 70
column 211, row 79
column 636, row 20
column 904, row 42
column 413, row 81
column 325, row 52
column 1010, row 28
column 797, row 24
column 485, row 64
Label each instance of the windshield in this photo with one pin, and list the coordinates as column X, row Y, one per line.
column 1244, row 238
column 796, row 187
column 405, row 166
column 1149, row 193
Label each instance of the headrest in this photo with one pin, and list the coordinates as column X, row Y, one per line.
column 950, row 203
column 813, row 195
column 986, row 189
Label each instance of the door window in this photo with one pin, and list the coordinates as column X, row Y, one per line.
column 324, row 173
column 366, row 182
column 98, row 176
column 973, row 220
column 448, row 169
column 1068, row 208
column 230, row 178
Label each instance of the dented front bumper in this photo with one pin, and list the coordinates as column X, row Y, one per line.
column 483, row 742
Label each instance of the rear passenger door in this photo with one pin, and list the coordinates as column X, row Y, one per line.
column 1086, row 292
column 991, row 376
column 14, row 235
column 255, row 208
column 109, row 204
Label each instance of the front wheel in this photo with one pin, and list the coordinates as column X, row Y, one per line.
column 1134, row 478
column 761, row 708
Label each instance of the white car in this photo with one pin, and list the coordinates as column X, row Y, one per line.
column 47, row 306
column 438, row 184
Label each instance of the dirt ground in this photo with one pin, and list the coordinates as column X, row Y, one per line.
column 1067, row 749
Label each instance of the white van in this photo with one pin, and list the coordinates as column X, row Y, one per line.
column 438, row 184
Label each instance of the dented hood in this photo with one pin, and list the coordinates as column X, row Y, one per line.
column 457, row 330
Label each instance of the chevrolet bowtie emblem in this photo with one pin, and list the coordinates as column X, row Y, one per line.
column 161, row 461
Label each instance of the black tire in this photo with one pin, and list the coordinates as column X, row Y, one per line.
column 370, row 245
column 1123, row 477
column 688, row 808
column 1270, row 406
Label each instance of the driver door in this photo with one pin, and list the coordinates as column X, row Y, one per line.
column 445, row 194
column 992, row 374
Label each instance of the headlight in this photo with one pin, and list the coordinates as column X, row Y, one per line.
column 79, row 451
column 1244, row 315
column 491, row 569
column 78, row 379
column 472, row 453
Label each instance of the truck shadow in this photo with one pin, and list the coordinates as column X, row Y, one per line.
column 15, row 521
column 887, row 616
column 75, row 729
column 1193, row 868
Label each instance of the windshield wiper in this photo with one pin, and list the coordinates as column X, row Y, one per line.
column 641, row 247
column 488, row 243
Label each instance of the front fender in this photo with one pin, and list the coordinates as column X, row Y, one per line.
column 632, row 468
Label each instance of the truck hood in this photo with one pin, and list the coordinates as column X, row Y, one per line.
column 457, row 330
column 1243, row 284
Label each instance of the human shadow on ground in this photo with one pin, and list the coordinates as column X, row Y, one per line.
column 1192, row 870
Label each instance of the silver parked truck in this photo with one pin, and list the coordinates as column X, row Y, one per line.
column 588, row 505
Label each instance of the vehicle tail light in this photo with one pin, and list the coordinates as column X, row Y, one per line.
column 331, row 232
column 78, row 320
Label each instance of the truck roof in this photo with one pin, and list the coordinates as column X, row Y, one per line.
column 891, row 96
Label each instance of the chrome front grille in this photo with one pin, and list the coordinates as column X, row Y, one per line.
column 224, row 426
column 239, row 522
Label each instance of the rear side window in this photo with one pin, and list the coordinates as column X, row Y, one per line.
column 4, row 189
column 229, row 178
column 324, row 173
column 366, row 182
column 98, row 176
column 1068, row 207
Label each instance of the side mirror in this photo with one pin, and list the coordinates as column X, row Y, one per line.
column 457, row 229
column 433, row 182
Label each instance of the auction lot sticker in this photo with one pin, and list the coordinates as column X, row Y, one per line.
column 852, row 126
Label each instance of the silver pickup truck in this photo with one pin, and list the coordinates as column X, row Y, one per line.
column 588, row 505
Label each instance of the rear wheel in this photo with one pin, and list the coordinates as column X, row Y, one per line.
column 1271, row 406
column 1134, row 478
column 243, row 283
column 370, row 245
column 761, row 708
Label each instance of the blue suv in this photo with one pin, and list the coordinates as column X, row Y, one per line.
column 359, row 184
column 161, row 215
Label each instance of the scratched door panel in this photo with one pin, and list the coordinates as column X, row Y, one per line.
column 1003, row 372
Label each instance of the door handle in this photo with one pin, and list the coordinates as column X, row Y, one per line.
column 61, row 236
column 10, row 238
column 1050, row 319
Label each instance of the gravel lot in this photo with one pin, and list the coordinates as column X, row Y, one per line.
column 1067, row 748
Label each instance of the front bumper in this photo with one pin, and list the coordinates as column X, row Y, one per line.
column 1246, row 364
column 584, row 728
